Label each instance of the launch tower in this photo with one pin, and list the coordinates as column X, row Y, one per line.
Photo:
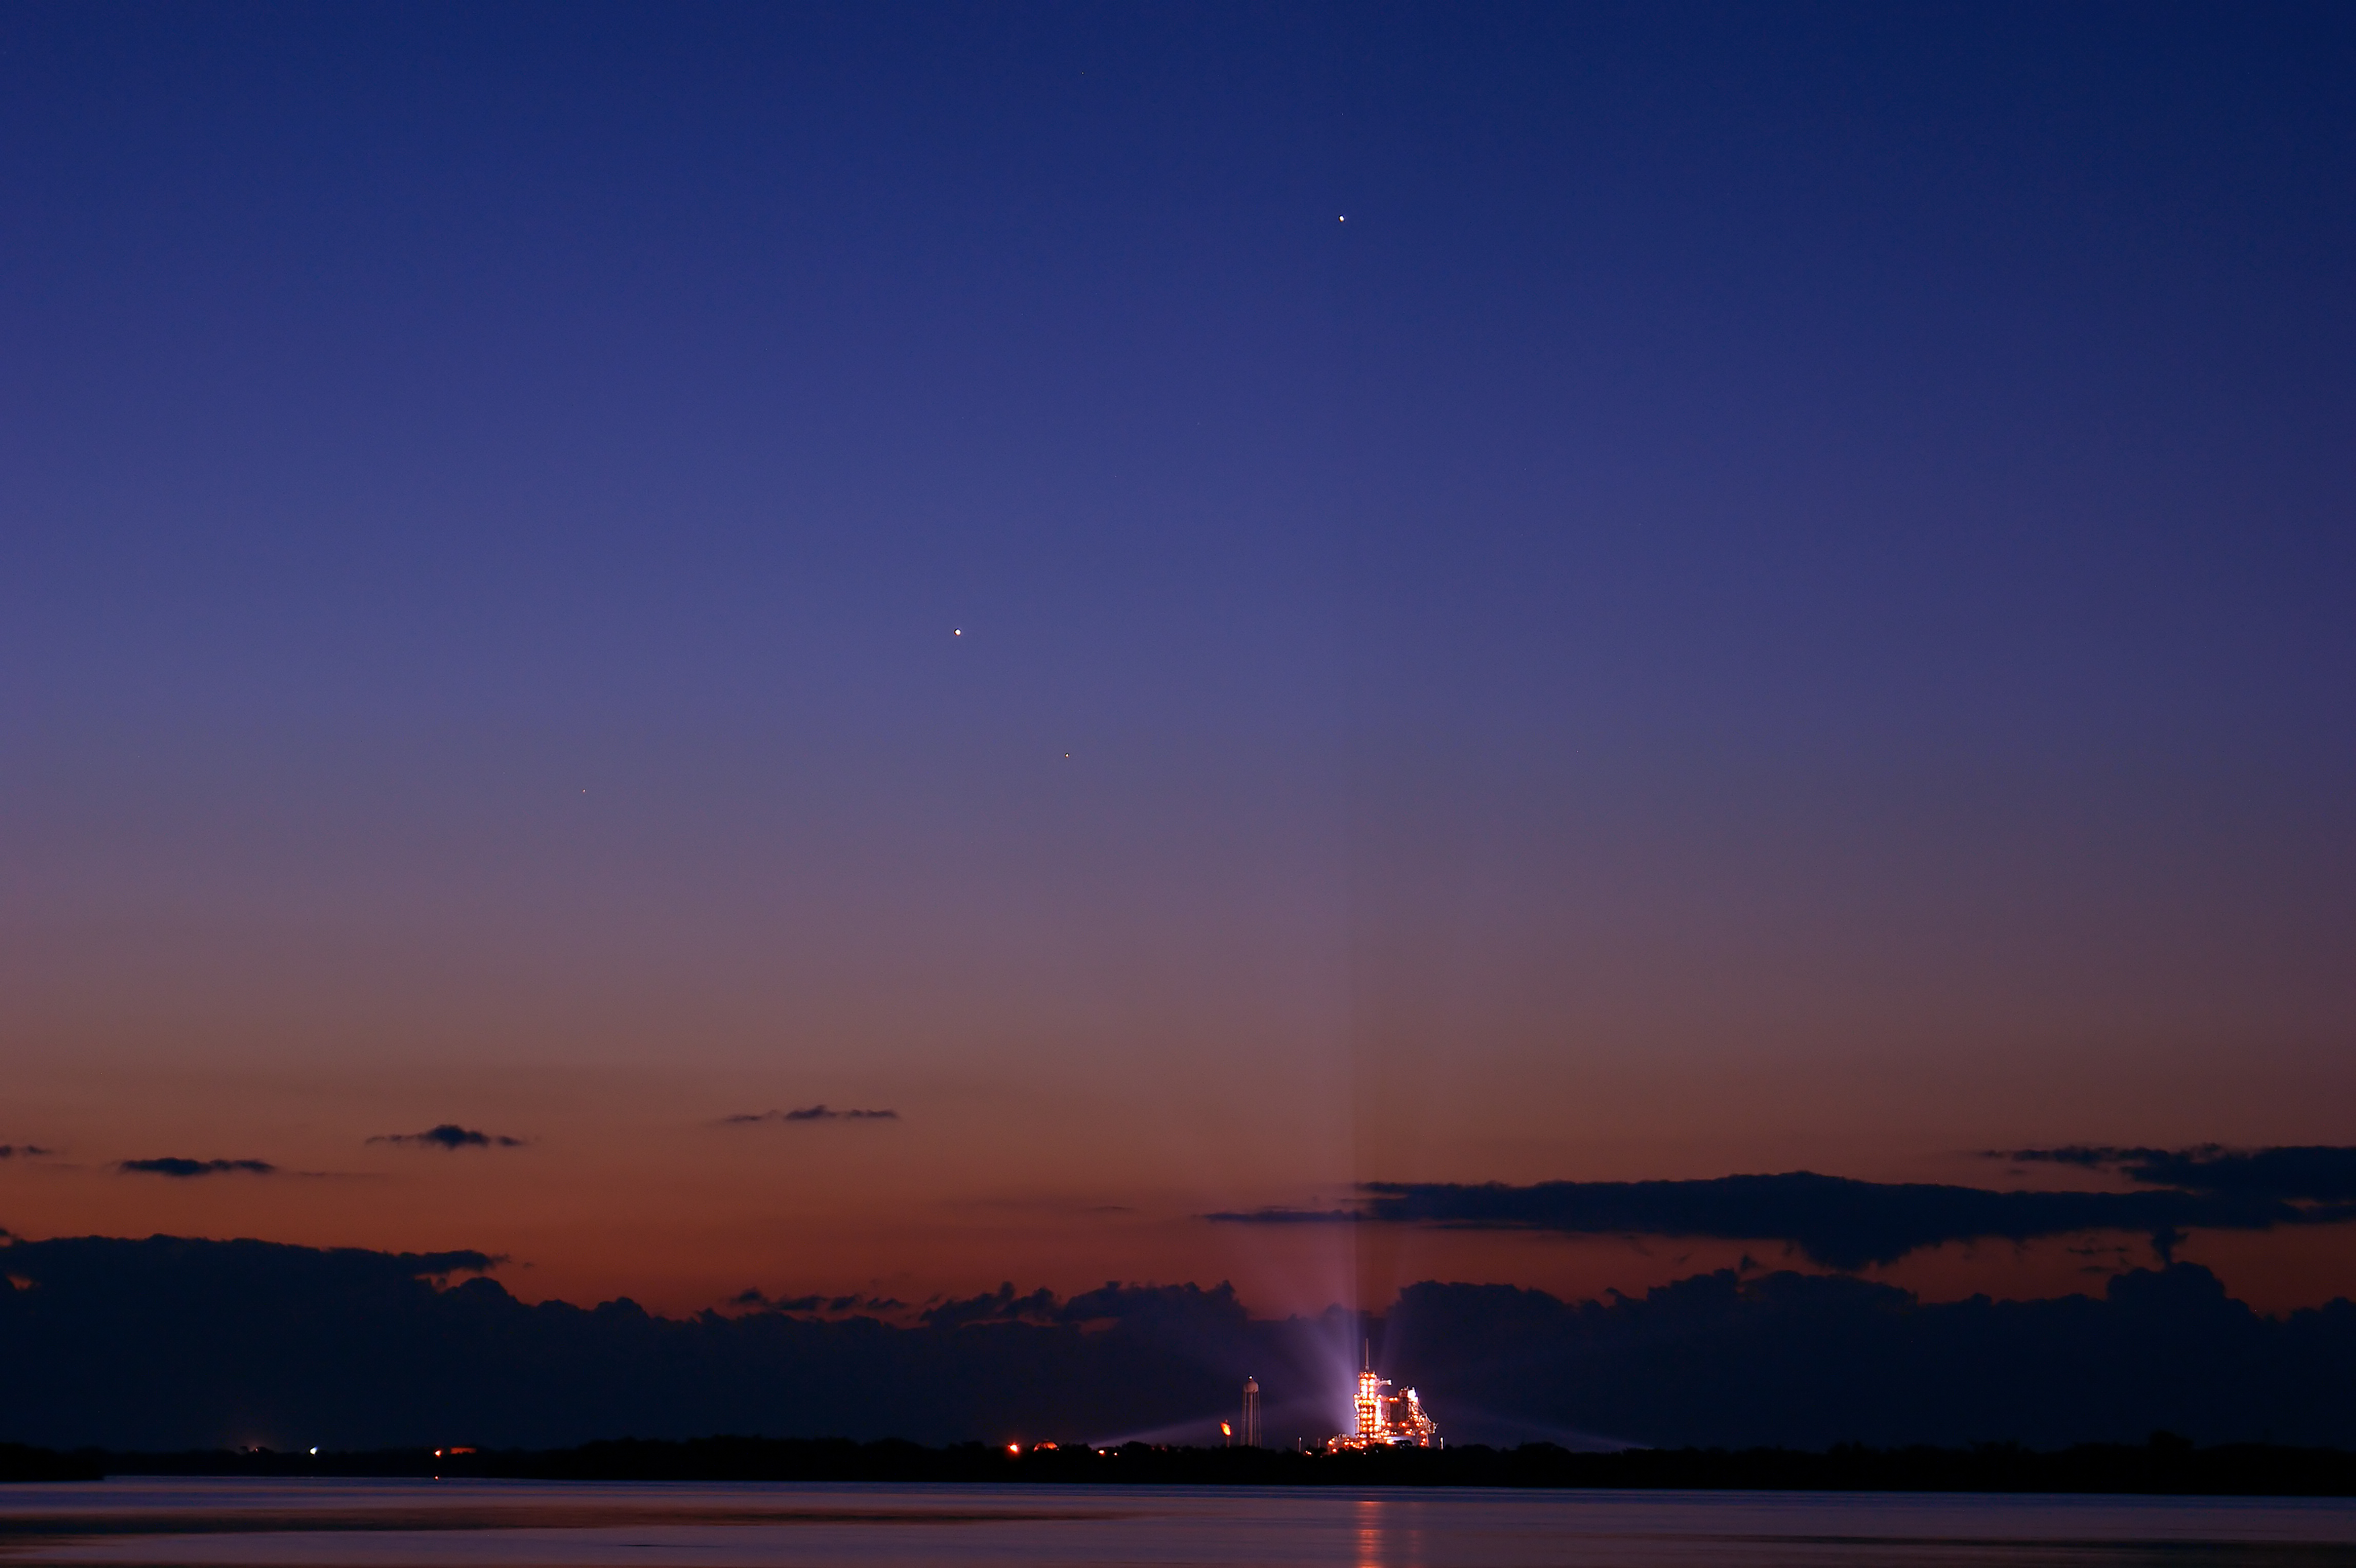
column 1386, row 1419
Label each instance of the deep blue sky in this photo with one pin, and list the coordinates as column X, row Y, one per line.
column 1630, row 591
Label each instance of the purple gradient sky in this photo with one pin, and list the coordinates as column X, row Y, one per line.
column 1776, row 595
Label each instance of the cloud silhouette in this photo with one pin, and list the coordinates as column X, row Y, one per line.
column 164, row 1344
column 1836, row 1221
column 30, row 1151
column 450, row 1135
column 809, row 1114
column 832, row 1306
column 2313, row 1173
column 1001, row 1306
column 173, row 1165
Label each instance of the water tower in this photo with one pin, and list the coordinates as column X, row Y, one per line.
column 1251, row 1414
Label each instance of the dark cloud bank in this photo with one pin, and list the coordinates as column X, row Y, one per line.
column 166, row 1343
column 2317, row 1173
column 1843, row 1223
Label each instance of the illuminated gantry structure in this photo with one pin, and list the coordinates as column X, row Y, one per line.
column 1386, row 1419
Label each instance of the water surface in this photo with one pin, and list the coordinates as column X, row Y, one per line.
column 528, row 1524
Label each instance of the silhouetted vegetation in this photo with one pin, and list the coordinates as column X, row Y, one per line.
column 20, row 1463
column 2167, row 1464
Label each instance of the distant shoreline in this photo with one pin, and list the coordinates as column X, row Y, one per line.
column 2165, row 1466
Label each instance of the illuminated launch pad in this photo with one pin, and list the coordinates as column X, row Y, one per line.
column 1386, row 1419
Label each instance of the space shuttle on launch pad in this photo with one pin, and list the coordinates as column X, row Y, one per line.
column 1385, row 1420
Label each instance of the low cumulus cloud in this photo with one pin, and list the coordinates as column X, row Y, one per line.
column 182, row 1169
column 2314, row 1172
column 1835, row 1221
column 809, row 1114
column 450, row 1135
column 1171, row 1306
column 1001, row 1305
column 167, row 1343
column 822, row 1305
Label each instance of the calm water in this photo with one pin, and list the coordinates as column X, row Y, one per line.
column 428, row 1524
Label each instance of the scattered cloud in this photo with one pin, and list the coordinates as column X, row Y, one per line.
column 173, row 1166
column 809, row 1114
column 450, row 1135
column 29, row 1150
column 1833, row 1220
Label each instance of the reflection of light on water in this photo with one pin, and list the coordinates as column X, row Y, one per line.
column 1386, row 1534
column 1370, row 1534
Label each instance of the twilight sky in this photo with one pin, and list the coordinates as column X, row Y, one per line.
column 1207, row 604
